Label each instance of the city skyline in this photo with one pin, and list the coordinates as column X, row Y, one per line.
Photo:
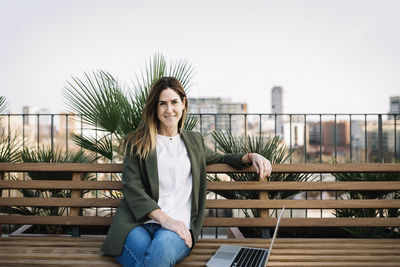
column 358, row 139
column 329, row 56
column 219, row 103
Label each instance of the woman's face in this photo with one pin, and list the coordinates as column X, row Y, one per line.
column 169, row 112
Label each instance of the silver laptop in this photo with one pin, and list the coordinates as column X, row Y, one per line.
column 238, row 256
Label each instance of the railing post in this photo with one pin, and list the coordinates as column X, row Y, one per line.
column 264, row 213
column 380, row 154
column 1, row 179
column 75, row 211
column 1, row 195
column 52, row 136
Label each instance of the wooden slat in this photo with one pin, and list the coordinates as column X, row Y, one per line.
column 314, row 168
column 210, row 203
column 53, row 256
column 256, row 186
column 300, row 204
column 302, row 222
column 374, row 251
column 81, row 241
column 216, row 168
column 56, row 263
column 41, row 242
column 84, row 185
column 62, row 167
column 56, row 220
column 305, row 186
column 54, row 249
column 220, row 222
column 337, row 258
column 315, row 258
column 59, row 202
column 377, row 263
column 308, row 242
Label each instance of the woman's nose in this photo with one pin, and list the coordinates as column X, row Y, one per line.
column 169, row 107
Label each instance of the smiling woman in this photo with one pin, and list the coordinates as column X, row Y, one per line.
column 169, row 112
column 160, row 216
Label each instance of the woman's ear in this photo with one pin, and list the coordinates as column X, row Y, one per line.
column 184, row 102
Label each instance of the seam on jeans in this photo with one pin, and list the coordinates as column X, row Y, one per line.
column 180, row 255
column 146, row 258
column 131, row 254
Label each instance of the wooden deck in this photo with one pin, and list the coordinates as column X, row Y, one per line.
column 84, row 251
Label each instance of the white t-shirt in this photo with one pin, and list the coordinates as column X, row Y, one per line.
column 175, row 178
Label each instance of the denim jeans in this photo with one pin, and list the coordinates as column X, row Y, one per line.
column 151, row 245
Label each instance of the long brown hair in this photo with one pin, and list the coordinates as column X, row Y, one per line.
column 144, row 138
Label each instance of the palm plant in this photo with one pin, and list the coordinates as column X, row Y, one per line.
column 114, row 111
column 271, row 149
column 370, row 232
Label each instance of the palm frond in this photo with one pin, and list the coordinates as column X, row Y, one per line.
column 156, row 68
column 99, row 97
column 3, row 104
column 183, row 71
column 226, row 142
column 10, row 147
column 191, row 122
column 102, row 146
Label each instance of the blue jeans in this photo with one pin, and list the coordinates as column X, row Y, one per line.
column 151, row 245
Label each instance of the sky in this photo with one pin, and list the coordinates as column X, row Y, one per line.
column 330, row 56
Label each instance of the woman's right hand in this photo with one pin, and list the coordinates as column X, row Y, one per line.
column 171, row 224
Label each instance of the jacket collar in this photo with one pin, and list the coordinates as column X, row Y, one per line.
column 195, row 171
column 152, row 173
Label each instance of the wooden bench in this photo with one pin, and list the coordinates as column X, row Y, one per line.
column 84, row 250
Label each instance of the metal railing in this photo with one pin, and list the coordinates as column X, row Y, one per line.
column 315, row 137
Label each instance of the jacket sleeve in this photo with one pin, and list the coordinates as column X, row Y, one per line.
column 233, row 160
column 135, row 194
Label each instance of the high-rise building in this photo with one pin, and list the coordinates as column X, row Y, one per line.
column 277, row 99
column 25, row 111
column 332, row 136
column 277, row 108
column 395, row 104
column 224, row 108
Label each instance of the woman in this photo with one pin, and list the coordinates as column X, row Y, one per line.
column 164, row 183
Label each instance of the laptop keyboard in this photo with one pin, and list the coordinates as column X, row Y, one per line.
column 250, row 257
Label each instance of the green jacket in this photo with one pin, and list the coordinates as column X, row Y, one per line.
column 140, row 187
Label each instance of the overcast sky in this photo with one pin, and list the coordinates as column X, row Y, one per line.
column 330, row 56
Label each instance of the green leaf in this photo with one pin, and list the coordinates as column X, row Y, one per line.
column 10, row 146
column 3, row 104
column 102, row 146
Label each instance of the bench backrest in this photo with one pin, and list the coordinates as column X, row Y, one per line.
column 77, row 200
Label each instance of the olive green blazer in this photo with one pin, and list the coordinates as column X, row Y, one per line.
column 140, row 187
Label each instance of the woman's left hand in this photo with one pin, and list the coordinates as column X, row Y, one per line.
column 262, row 165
